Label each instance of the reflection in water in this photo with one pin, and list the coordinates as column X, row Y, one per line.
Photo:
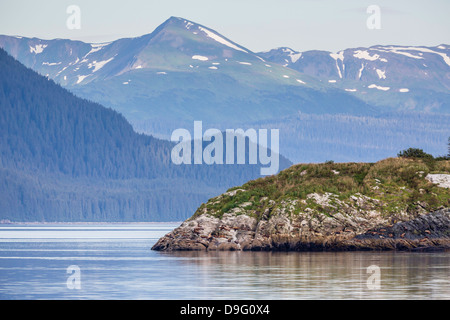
column 116, row 263
column 319, row 275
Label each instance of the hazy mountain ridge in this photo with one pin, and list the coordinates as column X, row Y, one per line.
column 68, row 159
column 394, row 77
column 184, row 71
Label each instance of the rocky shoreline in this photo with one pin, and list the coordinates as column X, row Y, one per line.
column 425, row 233
column 394, row 204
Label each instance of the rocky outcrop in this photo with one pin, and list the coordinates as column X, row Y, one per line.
column 442, row 180
column 402, row 208
column 426, row 232
column 341, row 232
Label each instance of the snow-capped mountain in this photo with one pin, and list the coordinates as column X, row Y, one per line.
column 183, row 71
column 395, row 76
column 177, row 44
column 415, row 78
column 341, row 106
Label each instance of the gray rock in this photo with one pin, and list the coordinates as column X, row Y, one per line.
column 442, row 180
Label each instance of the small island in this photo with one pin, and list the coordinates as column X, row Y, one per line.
column 395, row 204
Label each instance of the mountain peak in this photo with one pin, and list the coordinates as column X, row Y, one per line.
column 282, row 55
column 198, row 30
column 177, row 21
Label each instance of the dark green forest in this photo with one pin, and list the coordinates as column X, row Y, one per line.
column 63, row 158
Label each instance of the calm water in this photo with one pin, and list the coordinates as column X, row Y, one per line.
column 115, row 262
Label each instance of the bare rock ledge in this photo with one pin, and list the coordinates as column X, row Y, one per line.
column 282, row 232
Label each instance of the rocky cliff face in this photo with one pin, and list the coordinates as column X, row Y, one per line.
column 282, row 233
column 396, row 209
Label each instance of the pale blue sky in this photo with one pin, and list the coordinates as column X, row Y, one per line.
column 256, row 24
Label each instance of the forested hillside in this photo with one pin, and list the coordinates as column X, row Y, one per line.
column 345, row 138
column 68, row 159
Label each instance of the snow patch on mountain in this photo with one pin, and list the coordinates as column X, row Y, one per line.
column 59, row 72
column 293, row 55
column 364, row 54
column 94, row 48
column 420, row 50
column 100, row 45
column 260, row 58
column 290, row 54
column 201, row 58
column 409, row 55
column 381, row 74
column 339, row 55
column 38, row 48
column 339, row 70
column 188, row 24
column 81, row 78
column 97, row 65
column 399, row 50
column 51, row 63
column 219, row 39
column 443, row 55
column 361, row 70
column 374, row 86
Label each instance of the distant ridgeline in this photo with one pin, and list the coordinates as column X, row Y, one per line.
column 359, row 104
column 63, row 158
